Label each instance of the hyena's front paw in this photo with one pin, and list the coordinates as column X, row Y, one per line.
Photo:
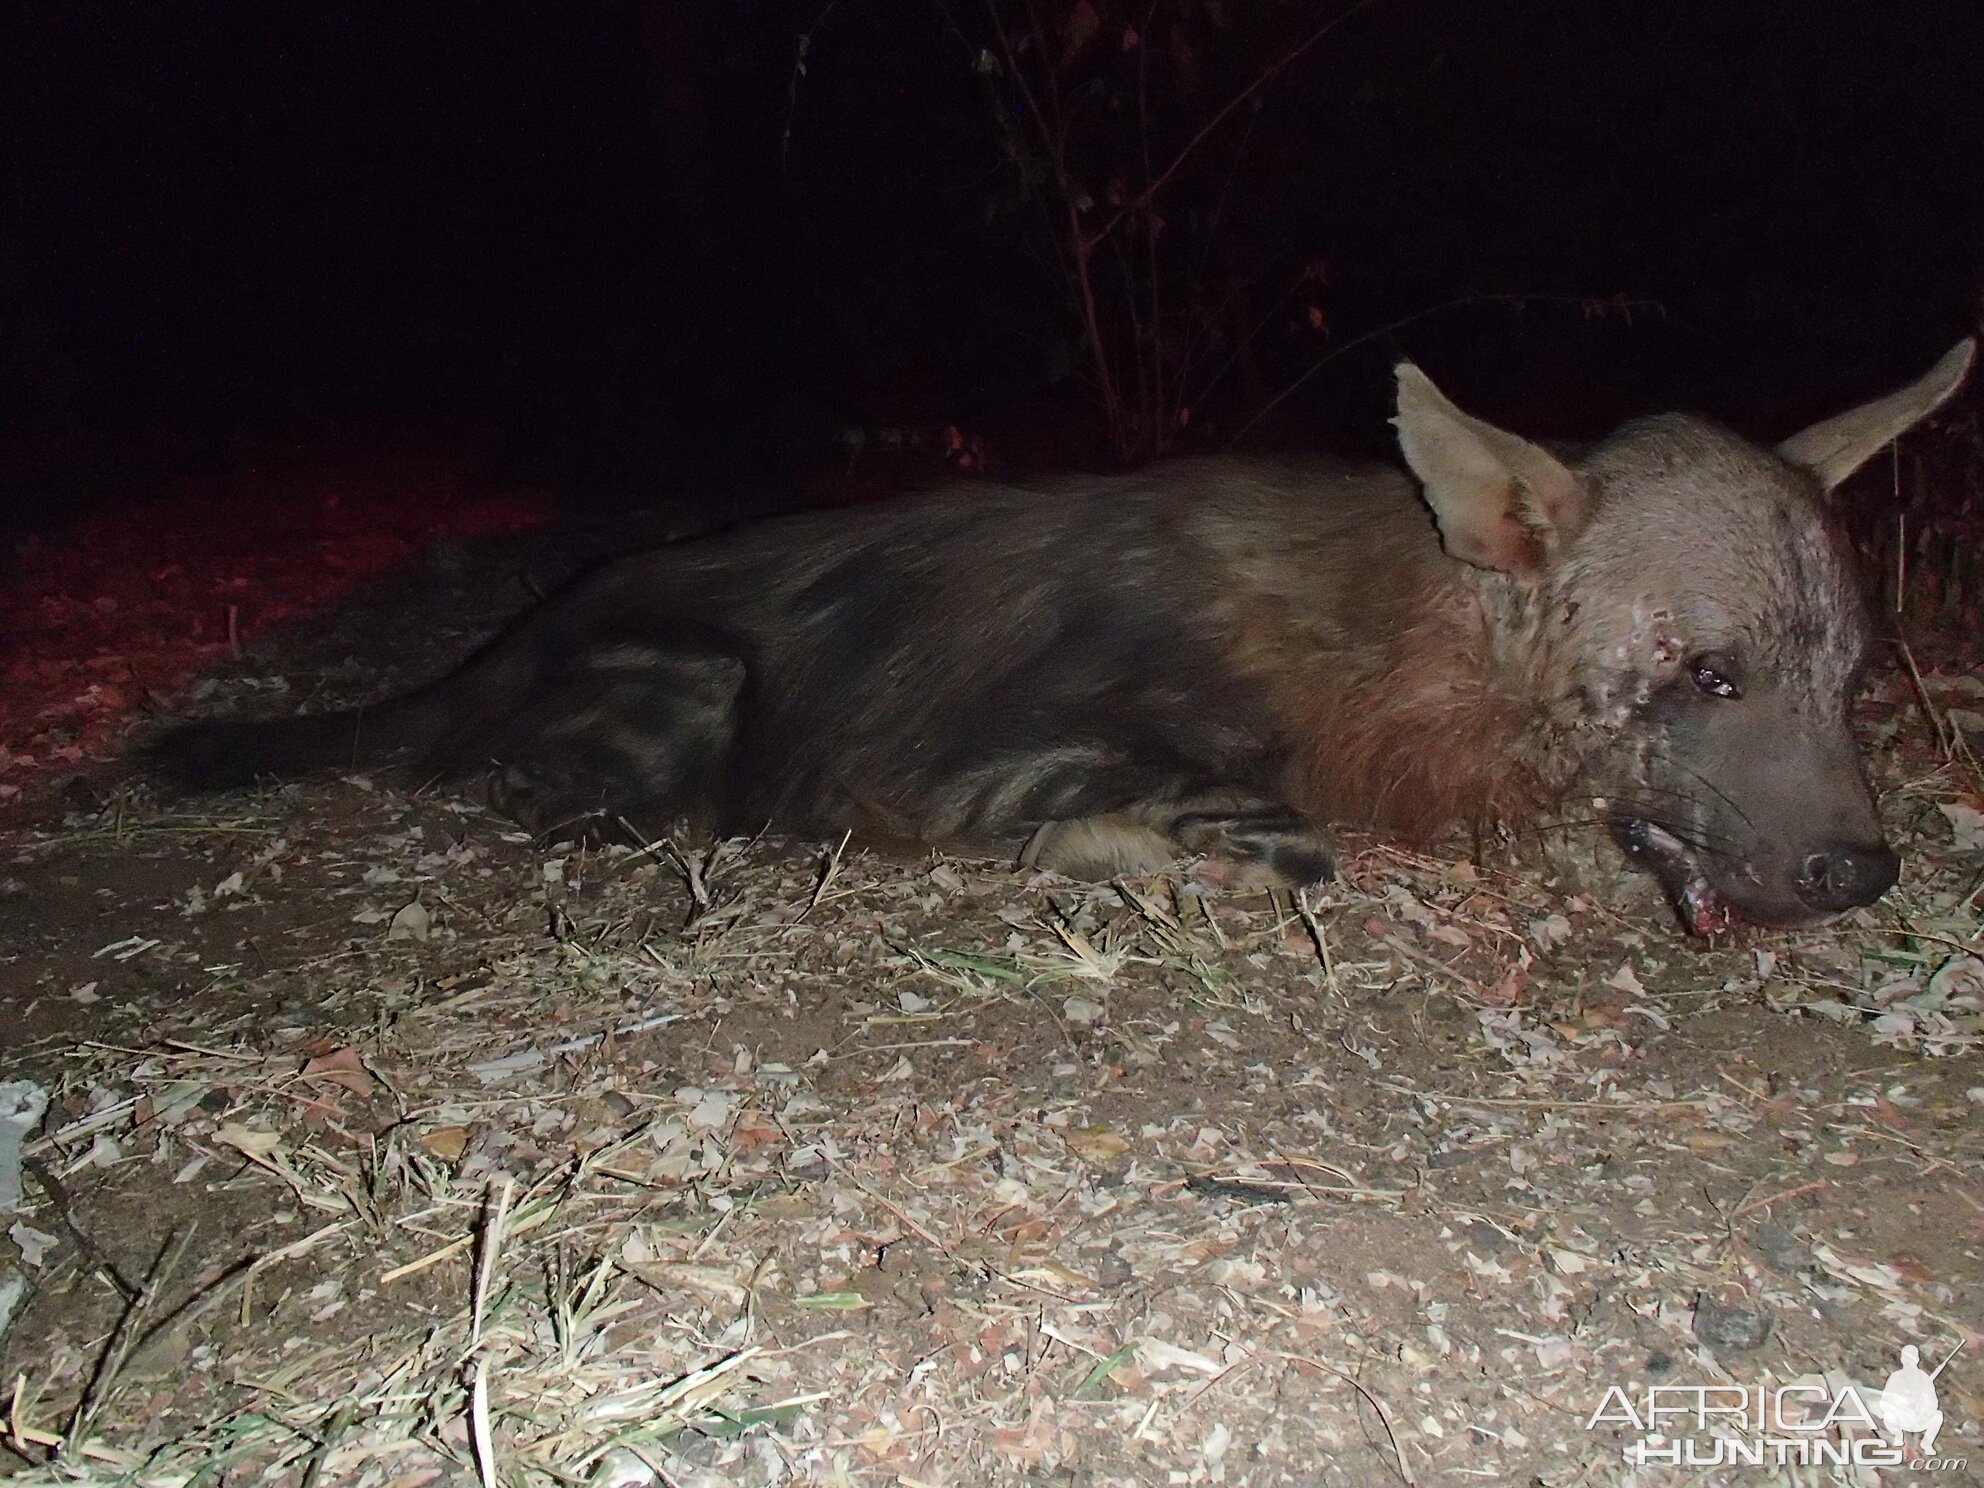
column 1099, row 848
column 559, row 812
column 1275, row 846
column 1270, row 845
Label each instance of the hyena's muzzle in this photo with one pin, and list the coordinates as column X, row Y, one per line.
column 1762, row 811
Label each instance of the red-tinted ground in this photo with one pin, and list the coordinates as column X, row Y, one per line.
column 119, row 611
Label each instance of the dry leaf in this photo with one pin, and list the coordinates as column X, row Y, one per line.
column 411, row 923
column 1096, row 1143
column 344, row 1068
column 446, row 1142
column 247, row 1141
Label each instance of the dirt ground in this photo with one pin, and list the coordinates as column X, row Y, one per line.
column 386, row 1148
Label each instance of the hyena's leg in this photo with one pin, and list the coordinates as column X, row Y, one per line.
column 1098, row 848
column 629, row 738
column 1274, row 842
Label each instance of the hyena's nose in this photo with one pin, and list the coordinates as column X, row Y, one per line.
column 1843, row 877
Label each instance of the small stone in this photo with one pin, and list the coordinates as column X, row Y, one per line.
column 1732, row 1329
column 1781, row 1250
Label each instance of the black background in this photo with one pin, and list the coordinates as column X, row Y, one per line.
column 624, row 241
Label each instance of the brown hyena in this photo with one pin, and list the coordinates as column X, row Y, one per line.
column 1225, row 657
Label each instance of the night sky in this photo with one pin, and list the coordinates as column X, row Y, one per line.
column 625, row 241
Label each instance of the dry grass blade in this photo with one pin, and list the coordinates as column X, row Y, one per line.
column 483, row 1437
column 491, row 1250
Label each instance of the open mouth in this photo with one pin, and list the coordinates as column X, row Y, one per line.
column 1703, row 910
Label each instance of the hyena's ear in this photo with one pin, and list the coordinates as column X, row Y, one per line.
column 1501, row 502
column 1833, row 450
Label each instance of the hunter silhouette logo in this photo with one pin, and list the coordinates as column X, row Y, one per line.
column 1908, row 1400
column 1813, row 1421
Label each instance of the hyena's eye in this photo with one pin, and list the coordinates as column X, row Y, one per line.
column 1715, row 675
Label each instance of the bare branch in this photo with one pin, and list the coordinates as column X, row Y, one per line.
column 1288, row 59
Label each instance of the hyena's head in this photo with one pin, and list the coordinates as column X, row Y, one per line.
column 1689, row 599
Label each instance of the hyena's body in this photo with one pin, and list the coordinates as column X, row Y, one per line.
column 1218, row 656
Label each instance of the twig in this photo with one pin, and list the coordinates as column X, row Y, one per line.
column 802, row 48
column 492, row 1241
column 1817, row 1185
column 827, row 877
column 1321, row 940
column 1384, row 1417
column 1514, row 301
column 1301, row 49
column 122, row 1339
column 58, row 1200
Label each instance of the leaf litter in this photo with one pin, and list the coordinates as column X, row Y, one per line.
column 381, row 1148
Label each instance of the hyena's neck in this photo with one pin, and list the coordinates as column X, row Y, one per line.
column 1448, row 719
